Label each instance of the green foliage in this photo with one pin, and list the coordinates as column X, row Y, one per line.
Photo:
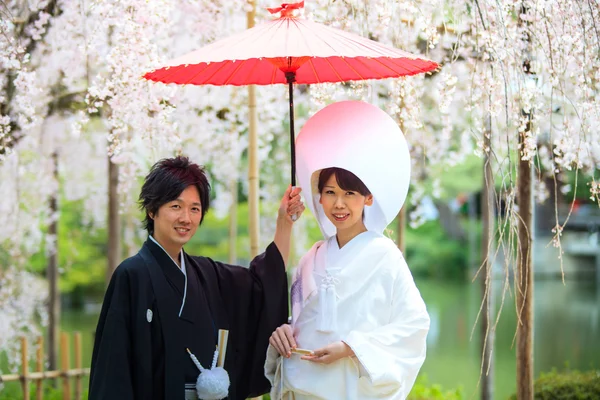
column 212, row 238
column 568, row 385
column 51, row 389
column 466, row 177
column 579, row 185
column 81, row 253
column 431, row 253
column 422, row 390
column 11, row 391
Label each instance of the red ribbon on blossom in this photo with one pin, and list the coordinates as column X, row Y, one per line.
column 286, row 8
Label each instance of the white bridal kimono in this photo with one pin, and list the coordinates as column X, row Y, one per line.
column 365, row 296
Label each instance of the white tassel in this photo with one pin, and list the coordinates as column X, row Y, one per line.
column 212, row 384
column 195, row 360
column 327, row 318
column 321, row 313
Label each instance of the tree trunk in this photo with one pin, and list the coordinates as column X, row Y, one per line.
column 487, row 314
column 524, row 281
column 52, row 276
column 114, row 220
column 524, row 278
column 253, row 175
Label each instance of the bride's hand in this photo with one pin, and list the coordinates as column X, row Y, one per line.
column 330, row 353
column 283, row 340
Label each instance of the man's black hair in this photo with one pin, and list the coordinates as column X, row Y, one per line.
column 165, row 182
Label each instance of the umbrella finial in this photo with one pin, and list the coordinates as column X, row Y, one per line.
column 286, row 9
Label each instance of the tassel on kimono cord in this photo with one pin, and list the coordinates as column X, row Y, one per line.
column 327, row 317
column 213, row 383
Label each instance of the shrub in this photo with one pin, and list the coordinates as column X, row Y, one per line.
column 431, row 253
column 422, row 390
column 568, row 385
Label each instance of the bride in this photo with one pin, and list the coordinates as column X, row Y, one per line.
column 359, row 324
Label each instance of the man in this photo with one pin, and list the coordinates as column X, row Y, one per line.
column 162, row 301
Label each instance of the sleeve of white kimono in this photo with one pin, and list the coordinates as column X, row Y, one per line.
column 392, row 354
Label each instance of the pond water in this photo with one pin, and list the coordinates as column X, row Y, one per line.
column 566, row 332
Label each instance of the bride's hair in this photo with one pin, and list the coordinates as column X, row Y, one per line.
column 346, row 180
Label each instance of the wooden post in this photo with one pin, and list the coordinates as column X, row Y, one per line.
column 114, row 220
column 78, row 387
column 487, row 215
column 25, row 368
column 64, row 365
column 253, row 170
column 39, row 385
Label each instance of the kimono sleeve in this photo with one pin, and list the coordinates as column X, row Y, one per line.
column 110, row 375
column 260, row 307
column 392, row 354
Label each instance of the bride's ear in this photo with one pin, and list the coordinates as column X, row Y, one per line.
column 369, row 200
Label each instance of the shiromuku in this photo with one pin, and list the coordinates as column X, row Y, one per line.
column 359, row 324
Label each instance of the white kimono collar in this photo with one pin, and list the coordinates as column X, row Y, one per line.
column 183, row 270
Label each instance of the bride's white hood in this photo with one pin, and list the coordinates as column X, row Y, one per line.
column 364, row 140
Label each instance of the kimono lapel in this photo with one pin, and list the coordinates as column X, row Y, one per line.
column 168, row 308
column 350, row 251
column 361, row 259
column 210, row 286
column 173, row 273
column 190, row 311
column 207, row 286
column 203, row 288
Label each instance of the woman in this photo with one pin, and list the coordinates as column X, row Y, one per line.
column 355, row 306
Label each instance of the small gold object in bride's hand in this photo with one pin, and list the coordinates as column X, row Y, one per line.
column 303, row 352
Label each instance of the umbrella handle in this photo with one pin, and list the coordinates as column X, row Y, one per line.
column 291, row 78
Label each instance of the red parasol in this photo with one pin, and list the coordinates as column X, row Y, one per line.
column 290, row 50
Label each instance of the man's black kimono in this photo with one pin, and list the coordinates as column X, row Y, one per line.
column 137, row 359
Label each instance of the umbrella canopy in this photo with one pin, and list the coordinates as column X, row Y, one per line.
column 290, row 50
column 316, row 53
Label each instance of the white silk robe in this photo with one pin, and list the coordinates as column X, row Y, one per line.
column 380, row 315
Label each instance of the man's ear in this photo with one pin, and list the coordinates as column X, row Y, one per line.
column 151, row 215
column 369, row 200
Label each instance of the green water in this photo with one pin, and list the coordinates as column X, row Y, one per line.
column 566, row 330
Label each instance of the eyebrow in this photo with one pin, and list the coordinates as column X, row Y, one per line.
column 333, row 187
column 194, row 204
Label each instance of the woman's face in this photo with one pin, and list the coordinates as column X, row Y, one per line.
column 344, row 208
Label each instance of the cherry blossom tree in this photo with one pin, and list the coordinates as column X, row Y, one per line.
column 519, row 82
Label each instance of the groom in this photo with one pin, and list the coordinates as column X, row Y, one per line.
column 163, row 301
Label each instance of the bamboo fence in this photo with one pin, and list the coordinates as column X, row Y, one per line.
column 65, row 374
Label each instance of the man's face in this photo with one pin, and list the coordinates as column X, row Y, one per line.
column 177, row 221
